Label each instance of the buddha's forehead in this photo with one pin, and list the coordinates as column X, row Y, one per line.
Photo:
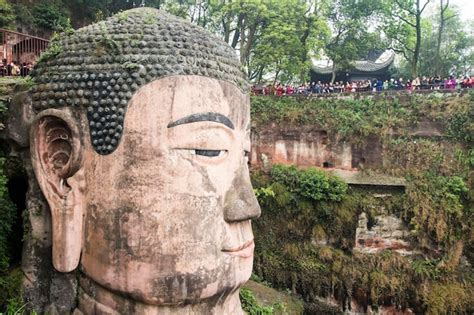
column 193, row 98
column 100, row 68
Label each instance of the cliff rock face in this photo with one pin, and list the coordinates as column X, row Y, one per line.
column 311, row 146
column 387, row 233
column 399, row 241
column 314, row 146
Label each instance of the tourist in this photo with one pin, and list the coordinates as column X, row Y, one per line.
column 408, row 85
column 416, row 83
column 437, row 82
column 348, row 87
column 15, row 70
column 400, row 84
column 465, row 84
column 279, row 90
column 354, row 87
column 424, row 83
column 451, row 83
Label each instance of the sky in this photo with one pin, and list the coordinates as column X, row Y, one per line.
column 466, row 8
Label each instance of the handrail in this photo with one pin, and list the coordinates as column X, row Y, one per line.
column 363, row 91
column 3, row 30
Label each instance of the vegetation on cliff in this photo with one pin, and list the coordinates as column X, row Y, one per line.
column 305, row 244
column 353, row 117
column 10, row 274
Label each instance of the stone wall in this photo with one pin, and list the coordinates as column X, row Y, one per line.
column 313, row 146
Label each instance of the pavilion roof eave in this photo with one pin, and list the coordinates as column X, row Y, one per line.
column 364, row 66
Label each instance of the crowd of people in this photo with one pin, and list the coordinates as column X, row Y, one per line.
column 15, row 69
column 376, row 85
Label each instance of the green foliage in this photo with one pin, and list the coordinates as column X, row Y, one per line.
column 310, row 183
column 352, row 119
column 7, row 14
column 460, row 126
column 250, row 304
column 7, row 218
column 455, row 55
column 286, row 41
column 53, row 50
column 50, row 16
column 449, row 298
column 351, row 39
column 10, row 292
column 426, row 269
column 10, row 279
column 435, row 207
column 304, row 241
column 263, row 192
column 347, row 118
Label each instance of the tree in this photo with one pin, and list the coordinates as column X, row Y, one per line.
column 7, row 16
column 49, row 15
column 288, row 39
column 402, row 26
column 456, row 55
column 444, row 16
column 278, row 49
column 351, row 38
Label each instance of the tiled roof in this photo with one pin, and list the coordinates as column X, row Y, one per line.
column 360, row 65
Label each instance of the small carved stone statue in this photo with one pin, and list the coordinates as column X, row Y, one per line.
column 140, row 144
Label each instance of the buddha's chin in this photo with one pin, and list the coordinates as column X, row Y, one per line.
column 196, row 288
column 183, row 288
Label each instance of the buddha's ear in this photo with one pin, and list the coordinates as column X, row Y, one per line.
column 56, row 146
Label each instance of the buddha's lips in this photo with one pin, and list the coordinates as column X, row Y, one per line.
column 245, row 250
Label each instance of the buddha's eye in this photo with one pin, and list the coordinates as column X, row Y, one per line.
column 210, row 153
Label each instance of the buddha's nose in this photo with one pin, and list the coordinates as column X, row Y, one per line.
column 240, row 202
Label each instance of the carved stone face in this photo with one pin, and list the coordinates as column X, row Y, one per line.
column 166, row 216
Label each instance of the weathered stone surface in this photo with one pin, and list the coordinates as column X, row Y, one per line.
column 304, row 146
column 162, row 223
column 388, row 233
column 20, row 114
column 308, row 145
column 358, row 178
column 102, row 65
column 43, row 287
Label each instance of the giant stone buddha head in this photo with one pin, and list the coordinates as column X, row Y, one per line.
column 140, row 146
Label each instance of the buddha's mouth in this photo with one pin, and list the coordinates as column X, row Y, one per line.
column 245, row 250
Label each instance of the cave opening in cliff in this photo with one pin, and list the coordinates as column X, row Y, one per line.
column 17, row 188
column 327, row 164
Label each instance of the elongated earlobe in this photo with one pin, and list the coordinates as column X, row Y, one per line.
column 56, row 150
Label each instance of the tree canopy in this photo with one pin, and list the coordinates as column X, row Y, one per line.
column 276, row 39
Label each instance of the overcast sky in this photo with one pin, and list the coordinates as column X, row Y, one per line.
column 466, row 7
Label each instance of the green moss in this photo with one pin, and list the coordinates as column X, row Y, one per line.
column 352, row 118
column 304, row 241
column 251, row 306
column 10, row 292
column 449, row 298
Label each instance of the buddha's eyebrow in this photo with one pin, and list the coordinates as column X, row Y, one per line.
column 214, row 117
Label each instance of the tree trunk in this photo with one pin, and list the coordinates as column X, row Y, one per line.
column 442, row 20
column 260, row 74
column 245, row 50
column 333, row 75
column 237, row 34
column 416, row 54
column 304, row 53
column 276, row 77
